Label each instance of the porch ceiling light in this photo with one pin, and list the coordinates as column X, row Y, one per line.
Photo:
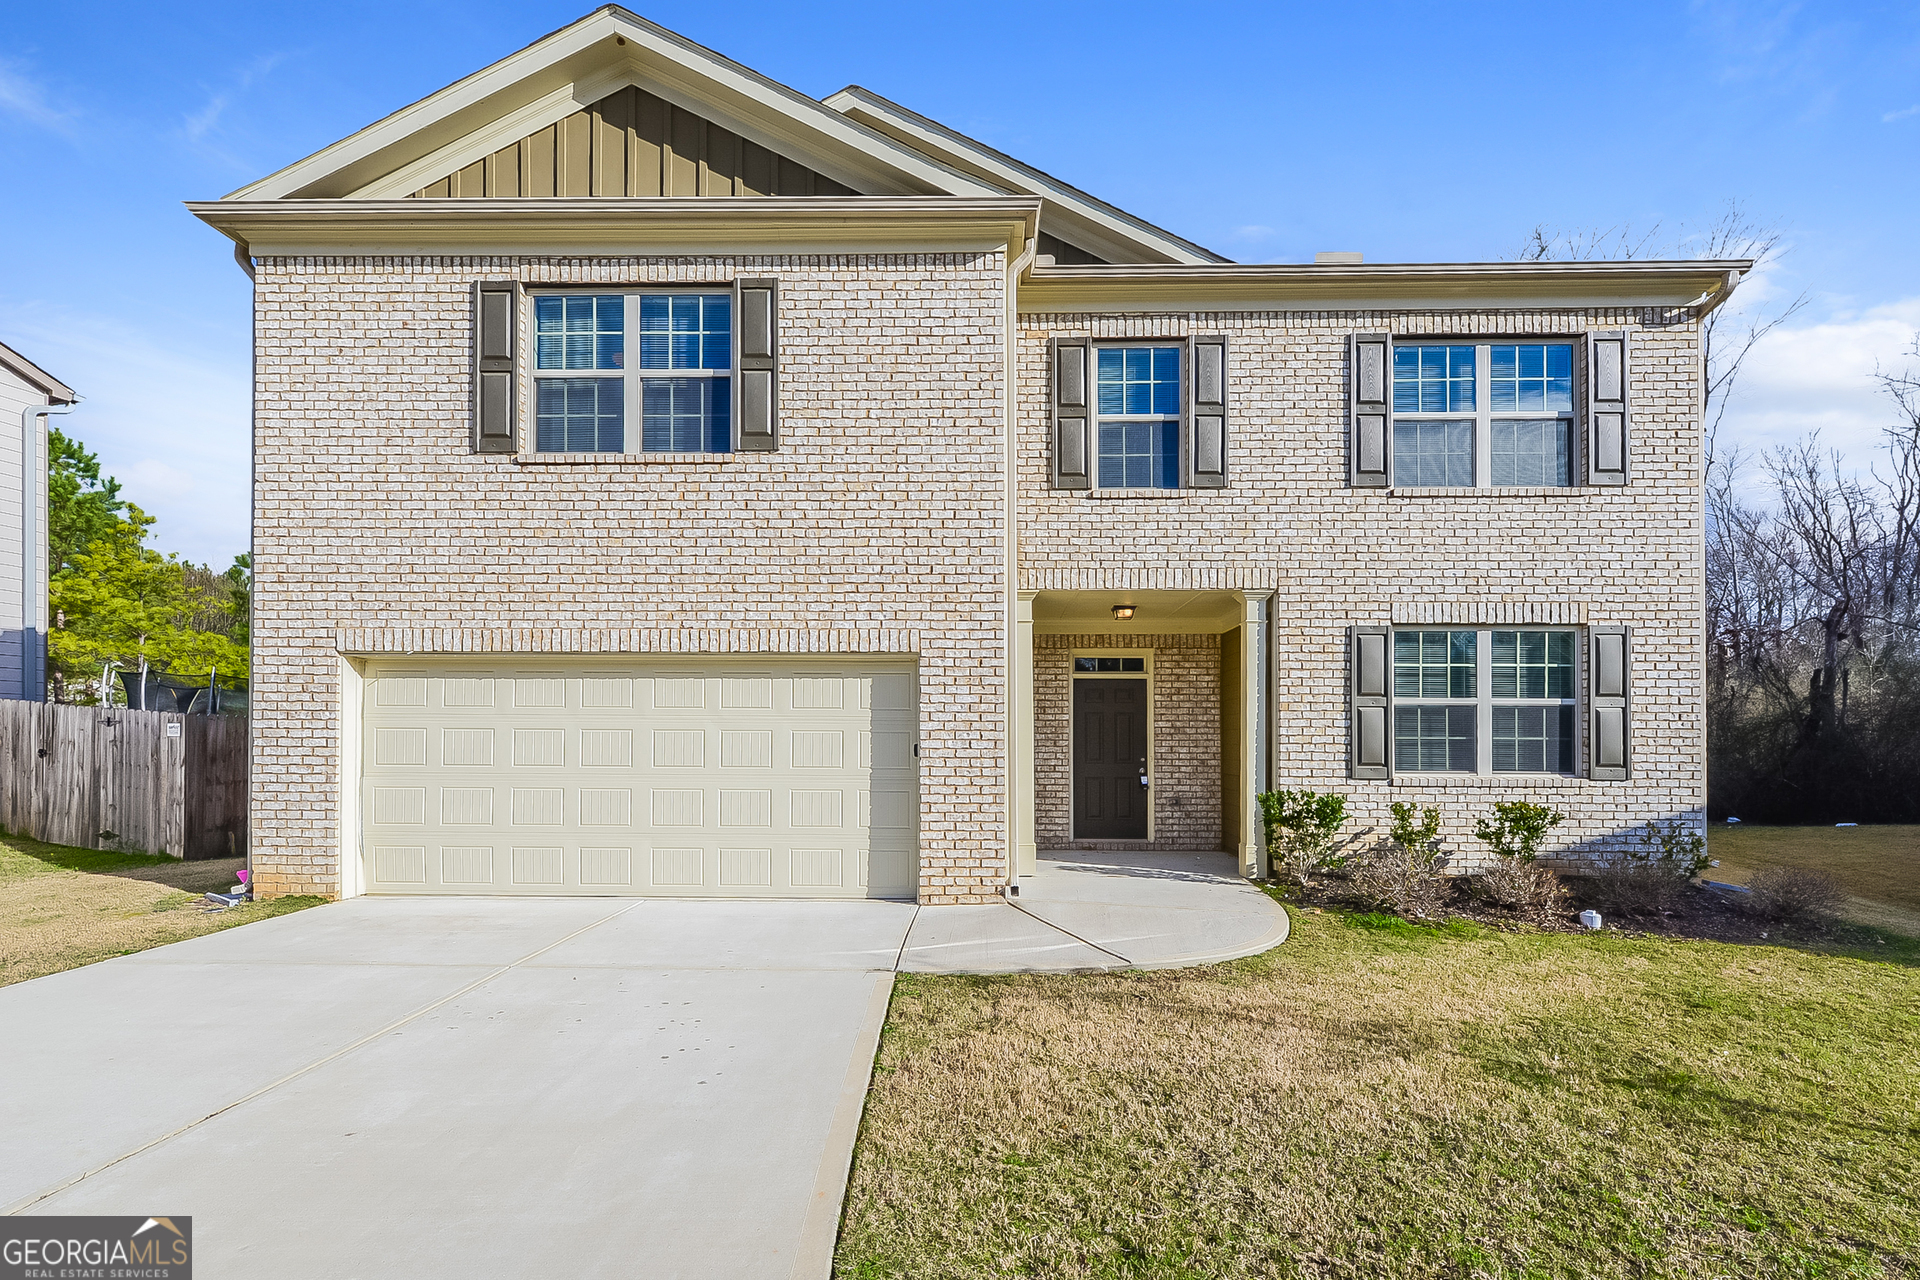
column 1122, row 612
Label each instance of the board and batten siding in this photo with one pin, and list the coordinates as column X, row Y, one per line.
column 631, row 143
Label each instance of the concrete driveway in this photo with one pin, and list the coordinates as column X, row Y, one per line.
column 418, row 1087
column 470, row 1087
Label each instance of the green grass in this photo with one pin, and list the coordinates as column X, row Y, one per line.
column 1878, row 865
column 1382, row 1099
column 63, row 907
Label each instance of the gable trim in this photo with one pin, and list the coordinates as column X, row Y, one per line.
column 483, row 142
column 34, row 376
column 669, row 65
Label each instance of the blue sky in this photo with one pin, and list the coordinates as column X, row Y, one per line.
column 1411, row 132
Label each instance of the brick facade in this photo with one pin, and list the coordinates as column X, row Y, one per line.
column 1185, row 686
column 880, row 527
column 1337, row 556
column 372, row 516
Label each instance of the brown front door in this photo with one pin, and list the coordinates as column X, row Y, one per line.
column 1109, row 759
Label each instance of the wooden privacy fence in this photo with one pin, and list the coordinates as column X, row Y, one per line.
column 133, row 781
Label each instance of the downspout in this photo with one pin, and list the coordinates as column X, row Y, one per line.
column 1011, row 544
column 33, row 509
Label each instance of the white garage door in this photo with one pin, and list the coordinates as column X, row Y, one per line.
column 703, row 779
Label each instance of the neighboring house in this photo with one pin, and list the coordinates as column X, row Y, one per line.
column 27, row 394
column 671, row 484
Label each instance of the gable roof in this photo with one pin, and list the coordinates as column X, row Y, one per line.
column 1078, row 218
column 36, row 377
column 573, row 69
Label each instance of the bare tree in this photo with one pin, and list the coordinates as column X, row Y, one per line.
column 1816, row 586
column 1727, row 338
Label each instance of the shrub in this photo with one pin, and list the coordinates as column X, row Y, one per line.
column 1531, row 889
column 1652, row 878
column 1794, row 895
column 1406, row 872
column 1517, row 828
column 1516, row 880
column 1302, row 829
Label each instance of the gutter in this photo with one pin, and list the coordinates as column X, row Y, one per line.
column 33, row 509
column 1016, row 681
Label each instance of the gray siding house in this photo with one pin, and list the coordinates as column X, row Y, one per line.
column 27, row 394
column 670, row 484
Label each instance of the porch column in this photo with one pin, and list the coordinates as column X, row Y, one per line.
column 1253, row 729
column 1026, row 850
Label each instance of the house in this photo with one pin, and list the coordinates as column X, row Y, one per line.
column 669, row 484
column 28, row 394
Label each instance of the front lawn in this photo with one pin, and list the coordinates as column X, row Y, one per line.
column 1880, row 866
column 61, row 907
column 1376, row 1099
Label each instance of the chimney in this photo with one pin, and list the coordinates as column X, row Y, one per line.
column 1338, row 259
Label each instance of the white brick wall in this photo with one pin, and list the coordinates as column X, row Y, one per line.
column 1338, row 557
column 882, row 516
column 883, row 512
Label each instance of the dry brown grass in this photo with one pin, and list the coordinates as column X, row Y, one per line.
column 1879, row 866
column 1374, row 1099
column 61, row 908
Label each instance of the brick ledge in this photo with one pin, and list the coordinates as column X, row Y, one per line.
column 436, row 640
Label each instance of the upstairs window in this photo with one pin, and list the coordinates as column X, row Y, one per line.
column 1483, row 415
column 589, row 397
column 1137, row 393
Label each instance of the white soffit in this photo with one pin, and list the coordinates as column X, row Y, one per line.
column 1078, row 218
column 579, row 64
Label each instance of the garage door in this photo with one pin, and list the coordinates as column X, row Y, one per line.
column 715, row 778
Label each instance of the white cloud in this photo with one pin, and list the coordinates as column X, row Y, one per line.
column 1902, row 114
column 172, row 423
column 21, row 94
column 1807, row 377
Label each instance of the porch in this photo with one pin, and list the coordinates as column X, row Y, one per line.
column 1138, row 717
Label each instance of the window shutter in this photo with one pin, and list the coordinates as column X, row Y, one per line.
column 1371, row 701
column 1072, row 367
column 1610, row 747
column 1369, row 365
column 1607, row 407
column 1207, row 412
column 496, row 328
column 757, row 394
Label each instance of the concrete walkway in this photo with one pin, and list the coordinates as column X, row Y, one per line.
column 1103, row 911
column 485, row 1086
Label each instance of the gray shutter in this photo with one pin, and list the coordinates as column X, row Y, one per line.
column 1606, row 407
column 1072, row 437
column 1609, row 675
column 1207, row 412
column 1370, row 701
column 1369, row 385
column 757, row 396
column 496, row 331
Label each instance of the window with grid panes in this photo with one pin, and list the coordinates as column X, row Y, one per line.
column 1484, row 701
column 1138, row 397
column 589, row 397
column 1483, row 415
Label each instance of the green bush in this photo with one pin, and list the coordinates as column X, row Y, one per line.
column 1302, row 829
column 1406, row 872
column 1517, row 828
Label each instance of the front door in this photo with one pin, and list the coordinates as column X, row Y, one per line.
column 1110, row 759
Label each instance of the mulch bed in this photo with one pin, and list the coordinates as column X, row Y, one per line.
column 1705, row 914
